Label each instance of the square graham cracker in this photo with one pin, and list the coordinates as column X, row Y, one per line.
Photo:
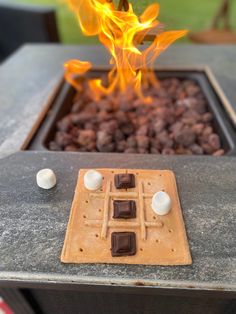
column 160, row 240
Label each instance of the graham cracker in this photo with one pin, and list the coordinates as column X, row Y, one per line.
column 160, row 240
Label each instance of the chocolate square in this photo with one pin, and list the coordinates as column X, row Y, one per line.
column 124, row 209
column 123, row 243
column 124, row 181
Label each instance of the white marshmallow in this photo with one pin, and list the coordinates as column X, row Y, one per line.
column 46, row 179
column 161, row 203
column 92, row 180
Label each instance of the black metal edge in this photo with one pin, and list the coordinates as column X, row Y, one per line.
column 59, row 109
column 136, row 288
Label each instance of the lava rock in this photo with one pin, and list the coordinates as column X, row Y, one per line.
column 87, row 138
column 142, row 141
column 63, row 139
column 219, row 152
column 174, row 120
column 214, row 141
column 104, row 142
column 185, row 137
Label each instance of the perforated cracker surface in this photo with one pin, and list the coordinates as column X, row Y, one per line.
column 160, row 240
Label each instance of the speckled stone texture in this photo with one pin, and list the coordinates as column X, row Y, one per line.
column 33, row 221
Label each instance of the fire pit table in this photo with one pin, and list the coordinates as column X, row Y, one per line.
column 33, row 222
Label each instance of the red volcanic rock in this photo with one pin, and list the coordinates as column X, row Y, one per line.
column 207, row 117
column 168, row 151
column 65, row 124
column 214, row 141
column 196, row 149
column 63, row 139
column 176, row 121
column 219, row 152
column 142, row 141
column 87, row 138
column 71, row 148
column 159, row 125
column 185, row 137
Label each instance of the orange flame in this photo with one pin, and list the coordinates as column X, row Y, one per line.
column 120, row 32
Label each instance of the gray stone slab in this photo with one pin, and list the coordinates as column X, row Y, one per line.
column 28, row 78
column 33, row 221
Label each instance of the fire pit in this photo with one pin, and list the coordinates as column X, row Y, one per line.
column 33, row 221
column 131, row 108
column 185, row 118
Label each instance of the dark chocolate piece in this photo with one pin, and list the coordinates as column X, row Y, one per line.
column 124, row 181
column 123, row 243
column 124, row 209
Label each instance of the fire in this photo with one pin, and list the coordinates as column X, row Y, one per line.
column 120, row 32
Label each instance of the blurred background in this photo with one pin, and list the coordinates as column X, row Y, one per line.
column 175, row 14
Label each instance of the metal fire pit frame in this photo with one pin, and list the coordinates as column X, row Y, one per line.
column 33, row 222
column 217, row 105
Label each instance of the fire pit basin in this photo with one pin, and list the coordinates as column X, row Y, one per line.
column 63, row 102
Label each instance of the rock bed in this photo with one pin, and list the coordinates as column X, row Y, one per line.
column 177, row 121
